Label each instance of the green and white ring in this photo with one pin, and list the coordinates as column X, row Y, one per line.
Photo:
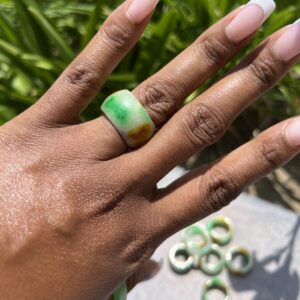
column 208, row 268
column 177, row 265
column 121, row 292
column 215, row 284
column 129, row 117
column 224, row 222
column 247, row 256
column 195, row 237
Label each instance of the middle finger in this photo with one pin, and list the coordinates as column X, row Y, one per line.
column 163, row 93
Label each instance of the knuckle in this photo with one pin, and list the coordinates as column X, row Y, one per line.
column 83, row 76
column 215, row 50
column 203, row 126
column 268, row 155
column 222, row 188
column 264, row 71
column 116, row 34
column 141, row 245
column 138, row 250
column 160, row 100
column 29, row 137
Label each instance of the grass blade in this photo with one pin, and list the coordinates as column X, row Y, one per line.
column 7, row 31
column 51, row 33
column 30, row 31
column 91, row 24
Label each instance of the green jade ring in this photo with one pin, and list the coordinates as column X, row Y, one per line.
column 247, row 257
column 121, row 292
column 209, row 268
column 215, row 284
column 129, row 117
column 195, row 237
column 220, row 239
column 180, row 266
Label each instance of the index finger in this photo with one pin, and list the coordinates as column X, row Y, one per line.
column 82, row 80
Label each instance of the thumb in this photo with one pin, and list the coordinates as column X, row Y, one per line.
column 146, row 272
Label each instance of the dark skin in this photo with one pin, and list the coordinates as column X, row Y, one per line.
column 80, row 212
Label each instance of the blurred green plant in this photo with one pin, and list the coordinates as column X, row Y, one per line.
column 39, row 38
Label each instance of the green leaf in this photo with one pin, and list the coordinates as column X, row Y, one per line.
column 29, row 29
column 7, row 31
column 154, row 44
column 6, row 113
column 51, row 32
column 91, row 24
column 16, row 97
column 22, row 61
column 21, row 84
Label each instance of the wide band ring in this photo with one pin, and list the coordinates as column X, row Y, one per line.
column 224, row 222
column 129, row 117
column 121, row 292
column 208, row 268
column 247, row 258
column 195, row 237
column 179, row 266
column 215, row 284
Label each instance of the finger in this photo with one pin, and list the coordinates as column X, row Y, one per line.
column 146, row 272
column 83, row 79
column 206, row 119
column 163, row 93
column 203, row 192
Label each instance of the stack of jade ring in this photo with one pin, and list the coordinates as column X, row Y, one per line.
column 199, row 243
column 129, row 117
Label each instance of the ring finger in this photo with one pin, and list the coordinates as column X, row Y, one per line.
column 206, row 119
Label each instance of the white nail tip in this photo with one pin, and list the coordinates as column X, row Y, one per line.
column 268, row 6
column 297, row 22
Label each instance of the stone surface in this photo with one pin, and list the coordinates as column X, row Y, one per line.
column 271, row 232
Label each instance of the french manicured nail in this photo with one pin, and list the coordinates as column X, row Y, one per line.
column 249, row 19
column 293, row 132
column 288, row 44
column 140, row 9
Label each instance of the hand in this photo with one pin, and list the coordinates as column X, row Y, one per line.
column 79, row 212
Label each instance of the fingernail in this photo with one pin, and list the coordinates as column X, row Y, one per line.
column 249, row 19
column 140, row 9
column 288, row 44
column 293, row 132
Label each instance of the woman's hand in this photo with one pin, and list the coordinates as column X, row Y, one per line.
column 79, row 212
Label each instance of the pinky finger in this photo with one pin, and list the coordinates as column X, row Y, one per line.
column 205, row 191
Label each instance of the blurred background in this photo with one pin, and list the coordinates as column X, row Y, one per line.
column 39, row 38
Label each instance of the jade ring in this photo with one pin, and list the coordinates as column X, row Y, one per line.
column 247, row 259
column 129, row 117
column 209, row 268
column 180, row 266
column 215, row 284
column 195, row 237
column 225, row 223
